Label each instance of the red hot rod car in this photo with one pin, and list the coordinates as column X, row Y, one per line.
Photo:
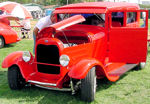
column 91, row 41
column 7, row 34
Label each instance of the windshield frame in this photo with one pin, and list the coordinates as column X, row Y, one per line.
column 96, row 15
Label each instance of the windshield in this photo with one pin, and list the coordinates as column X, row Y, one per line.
column 91, row 19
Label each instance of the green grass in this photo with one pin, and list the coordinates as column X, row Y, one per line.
column 132, row 88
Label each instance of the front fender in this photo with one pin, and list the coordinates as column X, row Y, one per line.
column 82, row 67
column 12, row 59
column 15, row 58
column 80, row 70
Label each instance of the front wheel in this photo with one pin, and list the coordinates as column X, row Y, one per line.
column 15, row 79
column 2, row 42
column 88, row 86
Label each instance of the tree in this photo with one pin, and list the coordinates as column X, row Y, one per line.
column 51, row 2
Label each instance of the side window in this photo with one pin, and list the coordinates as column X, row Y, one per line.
column 136, row 19
column 142, row 19
column 117, row 19
column 131, row 17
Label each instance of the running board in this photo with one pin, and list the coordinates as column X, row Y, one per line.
column 122, row 70
column 57, row 89
column 42, row 83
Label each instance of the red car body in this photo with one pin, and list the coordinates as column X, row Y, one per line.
column 110, row 50
column 7, row 34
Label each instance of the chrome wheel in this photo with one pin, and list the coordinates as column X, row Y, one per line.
column 95, row 85
column 0, row 41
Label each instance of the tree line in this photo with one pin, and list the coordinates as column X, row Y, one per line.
column 58, row 2
column 51, row 2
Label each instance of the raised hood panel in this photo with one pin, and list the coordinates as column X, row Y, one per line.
column 68, row 22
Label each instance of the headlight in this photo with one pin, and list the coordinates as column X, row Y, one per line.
column 64, row 60
column 26, row 56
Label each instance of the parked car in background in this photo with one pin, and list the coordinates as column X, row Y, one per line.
column 90, row 41
column 7, row 34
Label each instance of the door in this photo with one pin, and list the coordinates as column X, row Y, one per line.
column 127, row 39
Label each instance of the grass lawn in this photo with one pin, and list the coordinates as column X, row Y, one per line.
column 132, row 88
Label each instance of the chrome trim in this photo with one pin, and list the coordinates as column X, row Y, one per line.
column 42, row 83
column 72, row 86
column 57, row 89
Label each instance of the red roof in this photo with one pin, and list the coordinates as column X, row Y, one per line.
column 92, row 6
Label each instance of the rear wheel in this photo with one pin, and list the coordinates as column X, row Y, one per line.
column 88, row 86
column 15, row 79
column 143, row 64
column 2, row 42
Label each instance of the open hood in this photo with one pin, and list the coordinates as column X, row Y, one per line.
column 68, row 22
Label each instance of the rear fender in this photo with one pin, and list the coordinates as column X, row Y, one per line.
column 15, row 58
column 9, row 35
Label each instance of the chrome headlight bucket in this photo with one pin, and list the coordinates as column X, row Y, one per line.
column 26, row 56
column 64, row 60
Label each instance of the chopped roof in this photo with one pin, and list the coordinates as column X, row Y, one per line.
column 101, row 5
column 105, row 6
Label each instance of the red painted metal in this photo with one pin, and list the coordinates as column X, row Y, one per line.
column 96, row 7
column 126, row 38
column 84, row 65
column 68, row 22
column 107, row 48
column 11, row 59
column 15, row 58
column 9, row 35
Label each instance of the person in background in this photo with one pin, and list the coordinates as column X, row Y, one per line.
column 42, row 23
column 2, row 12
column 26, row 27
column 129, row 18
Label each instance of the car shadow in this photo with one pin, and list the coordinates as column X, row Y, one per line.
column 66, row 97
column 9, row 45
column 103, row 84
